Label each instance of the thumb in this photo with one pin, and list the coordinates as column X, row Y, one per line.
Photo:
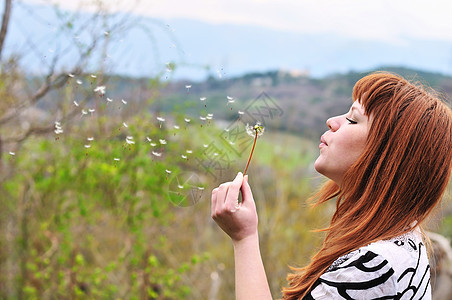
column 247, row 194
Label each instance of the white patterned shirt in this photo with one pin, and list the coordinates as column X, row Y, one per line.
column 389, row 269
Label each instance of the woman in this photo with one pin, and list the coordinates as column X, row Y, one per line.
column 389, row 160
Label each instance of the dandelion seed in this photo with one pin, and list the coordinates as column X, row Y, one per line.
column 116, row 159
column 209, row 116
column 58, row 131
column 200, row 188
column 160, row 119
column 184, row 156
column 187, row 120
column 100, row 89
column 163, row 142
column 168, row 171
column 51, row 50
column 78, row 81
column 90, row 139
column 149, row 139
column 202, row 118
column 153, row 144
column 130, row 142
column 124, row 101
column 87, row 146
column 109, row 100
column 180, row 186
column 84, row 112
column 156, row 153
column 12, row 153
column 205, row 145
column 129, row 137
column 75, row 103
column 91, row 110
column 188, row 86
column 215, row 154
column 70, row 75
column 241, row 112
column 230, row 99
column 189, row 151
column 124, row 124
column 226, row 129
column 93, row 76
column 231, row 143
column 106, row 32
column 202, row 98
column 176, row 127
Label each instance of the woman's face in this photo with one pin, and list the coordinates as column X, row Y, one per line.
column 341, row 146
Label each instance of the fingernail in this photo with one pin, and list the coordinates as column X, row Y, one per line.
column 239, row 173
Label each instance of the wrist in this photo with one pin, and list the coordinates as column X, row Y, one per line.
column 246, row 241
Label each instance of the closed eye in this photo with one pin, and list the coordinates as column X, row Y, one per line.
column 351, row 121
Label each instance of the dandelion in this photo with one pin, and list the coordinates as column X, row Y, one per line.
column 253, row 131
column 158, row 154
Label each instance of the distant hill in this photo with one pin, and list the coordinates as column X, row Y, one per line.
column 305, row 102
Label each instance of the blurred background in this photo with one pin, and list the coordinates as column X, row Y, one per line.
column 118, row 118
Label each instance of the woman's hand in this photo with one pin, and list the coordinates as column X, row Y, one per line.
column 238, row 220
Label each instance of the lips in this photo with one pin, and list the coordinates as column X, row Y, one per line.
column 322, row 140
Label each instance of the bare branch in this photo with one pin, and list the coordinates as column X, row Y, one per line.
column 5, row 23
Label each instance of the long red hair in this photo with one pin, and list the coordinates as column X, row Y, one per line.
column 399, row 178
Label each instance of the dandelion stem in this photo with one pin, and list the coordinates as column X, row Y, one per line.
column 251, row 154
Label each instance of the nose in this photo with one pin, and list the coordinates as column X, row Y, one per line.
column 332, row 124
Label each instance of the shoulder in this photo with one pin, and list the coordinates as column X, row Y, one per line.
column 387, row 269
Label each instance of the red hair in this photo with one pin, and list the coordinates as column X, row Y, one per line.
column 399, row 178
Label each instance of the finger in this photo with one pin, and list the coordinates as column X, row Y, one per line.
column 213, row 202
column 232, row 197
column 221, row 195
column 247, row 194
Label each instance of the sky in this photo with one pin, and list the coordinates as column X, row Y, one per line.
column 242, row 36
column 383, row 20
